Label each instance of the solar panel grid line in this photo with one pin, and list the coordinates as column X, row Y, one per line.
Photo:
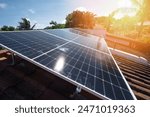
column 87, row 71
column 73, row 67
column 123, row 77
column 94, row 83
column 95, row 72
column 48, row 64
column 113, row 84
column 90, row 75
column 50, row 50
column 47, row 55
column 121, row 73
column 122, row 93
column 66, row 34
column 70, row 32
column 18, row 42
column 112, row 88
column 94, row 78
column 55, row 73
column 39, row 45
column 52, row 43
column 91, row 69
column 37, row 37
column 21, row 48
column 57, row 35
column 102, row 36
column 89, row 47
column 71, row 51
column 77, row 52
column 79, row 69
column 27, row 38
column 54, row 48
column 36, row 42
column 74, row 42
column 84, row 61
column 103, row 83
column 104, row 86
column 81, row 35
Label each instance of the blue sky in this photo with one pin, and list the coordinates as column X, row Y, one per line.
column 43, row 11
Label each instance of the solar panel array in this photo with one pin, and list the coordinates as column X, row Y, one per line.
column 77, row 57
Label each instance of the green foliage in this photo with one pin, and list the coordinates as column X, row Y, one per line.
column 101, row 19
column 7, row 28
column 25, row 25
column 11, row 28
column 79, row 19
column 105, row 21
column 55, row 25
column 4, row 28
column 143, row 13
column 124, row 26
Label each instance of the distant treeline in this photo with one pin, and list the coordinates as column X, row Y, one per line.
column 75, row 19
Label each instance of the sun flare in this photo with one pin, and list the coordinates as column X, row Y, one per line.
column 127, row 9
column 125, row 3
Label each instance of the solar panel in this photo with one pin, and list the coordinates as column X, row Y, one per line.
column 30, row 44
column 85, row 39
column 61, row 53
column 63, row 33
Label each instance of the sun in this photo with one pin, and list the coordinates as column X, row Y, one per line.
column 127, row 9
column 125, row 3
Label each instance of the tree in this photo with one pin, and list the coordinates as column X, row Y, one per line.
column 101, row 20
column 110, row 19
column 11, row 28
column 80, row 19
column 25, row 25
column 55, row 25
column 125, row 25
column 4, row 28
column 143, row 12
column 7, row 28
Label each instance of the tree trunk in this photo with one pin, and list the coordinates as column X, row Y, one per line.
column 141, row 28
column 108, row 25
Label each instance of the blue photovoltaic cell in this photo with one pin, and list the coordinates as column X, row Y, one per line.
column 84, row 39
column 93, row 69
column 77, row 56
column 63, row 33
column 94, row 42
column 30, row 44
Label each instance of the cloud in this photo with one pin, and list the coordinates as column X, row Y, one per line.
column 3, row 5
column 31, row 11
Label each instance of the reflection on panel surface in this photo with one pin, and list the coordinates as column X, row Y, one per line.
column 78, row 57
column 90, row 68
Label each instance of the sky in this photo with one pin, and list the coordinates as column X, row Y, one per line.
column 43, row 11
